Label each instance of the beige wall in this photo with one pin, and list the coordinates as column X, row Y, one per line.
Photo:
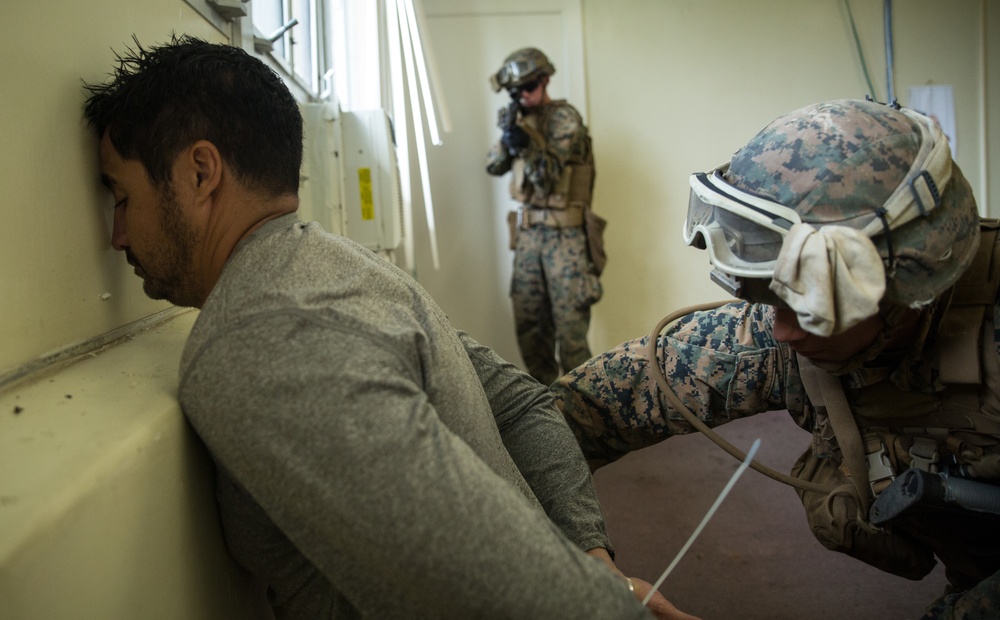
column 990, row 152
column 107, row 505
column 106, row 499
column 676, row 86
column 62, row 283
column 673, row 86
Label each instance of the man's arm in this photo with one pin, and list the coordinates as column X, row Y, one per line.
column 498, row 160
column 548, row 457
column 542, row 446
column 981, row 601
column 723, row 364
column 333, row 435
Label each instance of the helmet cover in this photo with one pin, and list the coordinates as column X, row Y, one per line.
column 836, row 163
column 520, row 67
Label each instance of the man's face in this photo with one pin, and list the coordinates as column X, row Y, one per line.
column 532, row 94
column 836, row 348
column 150, row 227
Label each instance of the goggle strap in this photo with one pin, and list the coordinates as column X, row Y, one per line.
column 930, row 191
column 710, row 186
column 881, row 213
column 931, row 171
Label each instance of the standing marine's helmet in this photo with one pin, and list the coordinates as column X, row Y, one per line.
column 835, row 208
column 522, row 66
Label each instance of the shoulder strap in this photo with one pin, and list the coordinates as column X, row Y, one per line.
column 667, row 392
column 825, row 390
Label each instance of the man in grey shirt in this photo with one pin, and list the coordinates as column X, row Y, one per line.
column 373, row 462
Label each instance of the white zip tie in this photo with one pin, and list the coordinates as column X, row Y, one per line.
column 711, row 511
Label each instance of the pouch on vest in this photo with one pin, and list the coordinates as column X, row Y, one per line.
column 520, row 189
column 574, row 188
column 837, row 523
column 588, row 291
column 593, row 226
column 512, row 227
column 559, row 197
column 581, row 186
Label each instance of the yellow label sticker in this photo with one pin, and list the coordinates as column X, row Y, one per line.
column 365, row 187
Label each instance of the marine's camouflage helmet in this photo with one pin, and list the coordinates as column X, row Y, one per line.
column 524, row 65
column 836, row 162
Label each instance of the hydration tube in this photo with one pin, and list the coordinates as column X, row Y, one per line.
column 697, row 423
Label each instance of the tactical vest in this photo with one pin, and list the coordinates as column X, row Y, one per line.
column 877, row 432
column 576, row 183
column 959, row 425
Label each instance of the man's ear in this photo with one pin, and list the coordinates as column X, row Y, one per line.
column 203, row 169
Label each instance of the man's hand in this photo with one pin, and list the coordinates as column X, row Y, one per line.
column 515, row 139
column 658, row 604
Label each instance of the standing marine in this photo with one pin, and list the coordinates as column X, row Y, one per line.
column 556, row 238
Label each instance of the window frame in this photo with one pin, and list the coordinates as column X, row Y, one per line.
column 283, row 58
column 242, row 32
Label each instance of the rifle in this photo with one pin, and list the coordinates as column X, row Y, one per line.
column 915, row 487
column 514, row 138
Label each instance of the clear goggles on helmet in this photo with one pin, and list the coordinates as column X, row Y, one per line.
column 512, row 72
column 743, row 233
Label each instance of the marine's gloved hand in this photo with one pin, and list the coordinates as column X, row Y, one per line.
column 515, row 139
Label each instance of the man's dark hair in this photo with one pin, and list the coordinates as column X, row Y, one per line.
column 162, row 99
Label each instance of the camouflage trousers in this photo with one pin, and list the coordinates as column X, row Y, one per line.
column 982, row 602
column 552, row 288
column 967, row 542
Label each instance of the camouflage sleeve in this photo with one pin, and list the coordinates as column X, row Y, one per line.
column 723, row 364
column 543, row 163
column 981, row 601
column 498, row 160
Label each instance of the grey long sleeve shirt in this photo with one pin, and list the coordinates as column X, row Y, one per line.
column 373, row 461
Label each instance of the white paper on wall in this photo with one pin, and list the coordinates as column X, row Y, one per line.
column 938, row 101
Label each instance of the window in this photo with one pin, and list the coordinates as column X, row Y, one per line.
column 291, row 32
column 304, row 42
column 268, row 18
column 356, row 55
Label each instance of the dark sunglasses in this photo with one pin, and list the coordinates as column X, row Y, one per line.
column 527, row 87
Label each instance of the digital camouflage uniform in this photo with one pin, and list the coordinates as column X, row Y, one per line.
column 724, row 364
column 554, row 282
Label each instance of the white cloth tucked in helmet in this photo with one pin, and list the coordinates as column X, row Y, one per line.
column 832, row 277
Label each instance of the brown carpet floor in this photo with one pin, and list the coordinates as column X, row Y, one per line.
column 756, row 558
